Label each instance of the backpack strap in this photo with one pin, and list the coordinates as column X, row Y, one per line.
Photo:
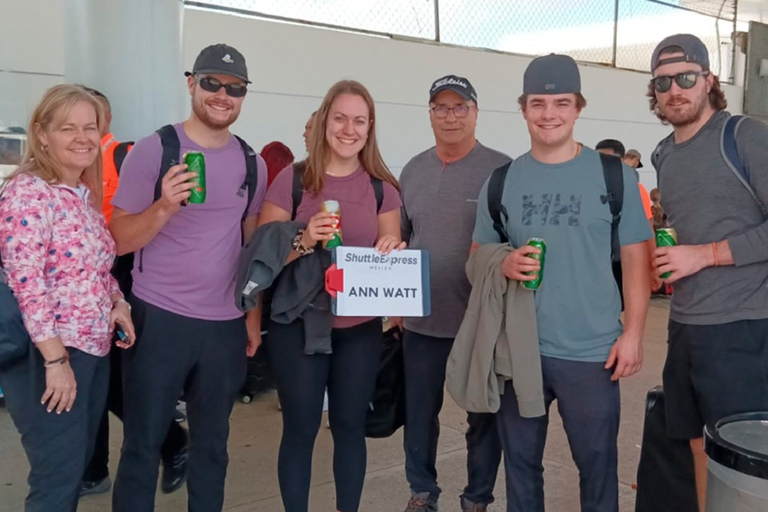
column 121, row 150
column 495, row 208
column 251, row 174
column 614, row 186
column 171, row 149
column 730, row 152
column 378, row 191
column 297, row 191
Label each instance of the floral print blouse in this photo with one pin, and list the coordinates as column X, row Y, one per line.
column 57, row 254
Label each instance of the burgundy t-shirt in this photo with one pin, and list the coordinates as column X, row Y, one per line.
column 357, row 200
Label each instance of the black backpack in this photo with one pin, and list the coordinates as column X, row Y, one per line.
column 614, row 185
column 171, row 152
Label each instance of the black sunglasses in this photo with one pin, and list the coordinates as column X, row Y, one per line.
column 683, row 80
column 210, row 84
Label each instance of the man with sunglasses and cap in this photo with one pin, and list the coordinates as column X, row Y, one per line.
column 718, row 321
column 190, row 336
column 557, row 192
column 439, row 189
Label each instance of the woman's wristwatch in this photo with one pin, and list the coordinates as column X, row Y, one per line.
column 298, row 247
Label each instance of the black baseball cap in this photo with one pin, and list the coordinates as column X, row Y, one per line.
column 552, row 74
column 220, row 59
column 457, row 84
column 693, row 49
column 613, row 144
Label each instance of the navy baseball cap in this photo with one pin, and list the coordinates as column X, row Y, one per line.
column 220, row 59
column 552, row 74
column 457, row 84
column 614, row 145
column 693, row 49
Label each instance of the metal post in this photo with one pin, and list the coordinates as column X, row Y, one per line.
column 733, row 39
column 437, row 20
column 615, row 32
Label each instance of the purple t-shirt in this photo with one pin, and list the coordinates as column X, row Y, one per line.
column 359, row 220
column 189, row 267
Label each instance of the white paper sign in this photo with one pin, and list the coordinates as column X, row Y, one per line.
column 376, row 285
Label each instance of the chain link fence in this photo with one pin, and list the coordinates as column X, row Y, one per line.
column 620, row 33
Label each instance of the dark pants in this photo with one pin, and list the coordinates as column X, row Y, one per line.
column 713, row 371
column 204, row 359
column 425, row 362
column 589, row 405
column 57, row 445
column 98, row 467
column 349, row 373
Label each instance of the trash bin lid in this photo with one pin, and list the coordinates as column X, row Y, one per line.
column 740, row 442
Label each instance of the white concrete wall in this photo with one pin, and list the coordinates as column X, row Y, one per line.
column 293, row 66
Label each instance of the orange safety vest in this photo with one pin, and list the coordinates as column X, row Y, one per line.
column 109, row 174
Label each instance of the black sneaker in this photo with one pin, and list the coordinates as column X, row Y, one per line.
column 468, row 506
column 421, row 502
column 95, row 486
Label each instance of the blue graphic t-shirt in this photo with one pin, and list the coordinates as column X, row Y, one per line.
column 578, row 304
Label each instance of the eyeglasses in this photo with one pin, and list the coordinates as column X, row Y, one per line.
column 210, row 84
column 459, row 111
column 683, row 80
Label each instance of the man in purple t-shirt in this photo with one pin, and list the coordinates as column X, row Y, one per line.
column 191, row 337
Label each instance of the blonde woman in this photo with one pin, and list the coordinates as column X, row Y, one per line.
column 57, row 254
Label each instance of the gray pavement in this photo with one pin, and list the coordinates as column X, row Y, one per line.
column 255, row 435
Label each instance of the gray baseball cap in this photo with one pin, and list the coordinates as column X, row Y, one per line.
column 220, row 59
column 457, row 84
column 552, row 74
column 634, row 152
column 691, row 46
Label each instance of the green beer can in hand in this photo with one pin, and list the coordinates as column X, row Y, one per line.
column 196, row 163
column 541, row 245
column 334, row 208
column 666, row 237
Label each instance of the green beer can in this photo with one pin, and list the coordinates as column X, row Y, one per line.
column 334, row 208
column 666, row 237
column 541, row 245
column 196, row 163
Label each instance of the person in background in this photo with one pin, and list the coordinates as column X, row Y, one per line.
column 57, row 254
column 616, row 148
column 277, row 156
column 343, row 160
column 308, row 129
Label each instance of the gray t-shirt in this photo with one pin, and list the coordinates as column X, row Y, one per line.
column 439, row 206
column 706, row 203
column 578, row 304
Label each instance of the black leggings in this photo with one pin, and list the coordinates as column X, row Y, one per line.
column 349, row 373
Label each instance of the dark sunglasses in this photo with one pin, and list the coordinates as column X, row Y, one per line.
column 683, row 80
column 210, row 84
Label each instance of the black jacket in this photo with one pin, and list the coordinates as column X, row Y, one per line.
column 298, row 288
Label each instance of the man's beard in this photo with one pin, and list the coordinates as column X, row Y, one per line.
column 689, row 114
column 215, row 124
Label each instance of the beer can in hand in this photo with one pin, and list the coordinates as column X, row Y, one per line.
column 666, row 237
column 196, row 163
column 333, row 208
column 541, row 245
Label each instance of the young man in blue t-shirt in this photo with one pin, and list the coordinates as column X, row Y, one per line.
column 557, row 192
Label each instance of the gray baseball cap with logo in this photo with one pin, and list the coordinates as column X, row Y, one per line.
column 692, row 48
column 552, row 74
column 220, row 59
